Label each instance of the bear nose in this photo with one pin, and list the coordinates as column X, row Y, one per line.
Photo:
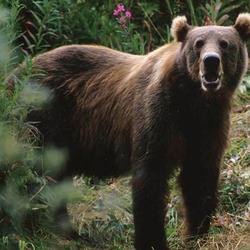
column 211, row 61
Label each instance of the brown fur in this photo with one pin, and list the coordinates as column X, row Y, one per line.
column 114, row 112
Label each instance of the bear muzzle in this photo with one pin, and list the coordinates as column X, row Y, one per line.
column 211, row 72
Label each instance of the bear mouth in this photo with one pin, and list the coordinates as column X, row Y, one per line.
column 211, row 77
column 211, row 81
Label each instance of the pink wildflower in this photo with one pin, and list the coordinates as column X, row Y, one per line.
column 121, row 7
column 122, row 15
column 116, row 12
column 121, row 20
column 124, row 26
column 128, row 14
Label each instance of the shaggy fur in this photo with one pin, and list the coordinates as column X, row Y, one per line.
column 114, row 112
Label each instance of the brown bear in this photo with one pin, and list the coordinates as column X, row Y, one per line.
column 116, row 112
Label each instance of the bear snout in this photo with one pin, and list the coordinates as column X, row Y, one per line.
column 211, row 72
column 211, row 62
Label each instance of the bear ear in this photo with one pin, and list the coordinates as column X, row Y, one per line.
column 179, row 28
column 242, row 25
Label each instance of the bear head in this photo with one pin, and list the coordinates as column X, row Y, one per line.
column 214, row 56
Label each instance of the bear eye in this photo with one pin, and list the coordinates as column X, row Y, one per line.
column 224, row 44
column 199, row 44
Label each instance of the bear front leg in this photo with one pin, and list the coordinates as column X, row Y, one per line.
column 151, row 169
column 199, row 182
column 149, row 208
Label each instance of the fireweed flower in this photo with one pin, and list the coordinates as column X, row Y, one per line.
column 121, row 16
column 124, row 26
column 121, row 20
column 116, row 12
column 121, row 7
column 128, row 14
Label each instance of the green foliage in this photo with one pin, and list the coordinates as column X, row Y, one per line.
column 236, row 190
column 245, row 86
column 43, row 28
column 25, row 167
column 218, row 11
column 48, row 24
